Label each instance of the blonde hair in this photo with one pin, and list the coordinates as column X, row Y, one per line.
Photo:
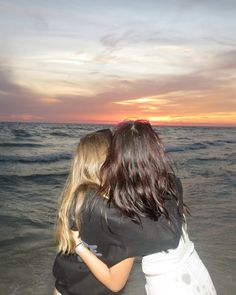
column 90, row 154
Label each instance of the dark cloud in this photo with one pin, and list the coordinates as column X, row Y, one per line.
column 149, row 36
column 226, row 60
column 14, row 97
column 40, row 22
column 180, row 94
column 222, row 41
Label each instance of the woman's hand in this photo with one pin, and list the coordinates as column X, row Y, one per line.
column 76, row 236
column 115, row 277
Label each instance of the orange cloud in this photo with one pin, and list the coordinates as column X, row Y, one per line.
column 196, row 98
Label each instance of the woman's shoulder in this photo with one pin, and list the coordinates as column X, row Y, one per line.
column 175, row 178
column 93, row 202
column 96, row 208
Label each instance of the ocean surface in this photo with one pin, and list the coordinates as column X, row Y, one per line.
column 34, row 164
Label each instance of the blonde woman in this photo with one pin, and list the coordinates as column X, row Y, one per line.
column 109, row 238
column 82, row 186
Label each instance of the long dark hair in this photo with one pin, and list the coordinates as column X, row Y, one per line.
column 138, row 176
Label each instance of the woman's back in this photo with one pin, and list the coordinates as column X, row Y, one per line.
column 142, row 184
column 112, row 238
column 110, row 233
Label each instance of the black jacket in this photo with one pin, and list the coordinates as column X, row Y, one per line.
column 113, row 238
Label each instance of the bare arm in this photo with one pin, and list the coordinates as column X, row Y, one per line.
column 55, row 292
column 115, row 277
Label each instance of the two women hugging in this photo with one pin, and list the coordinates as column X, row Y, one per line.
column 122, row 200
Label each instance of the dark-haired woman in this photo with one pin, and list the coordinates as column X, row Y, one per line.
column 141, row 185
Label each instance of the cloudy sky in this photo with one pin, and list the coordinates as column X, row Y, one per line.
column 172, row 61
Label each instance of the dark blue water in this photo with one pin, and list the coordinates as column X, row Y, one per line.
column 34, row 163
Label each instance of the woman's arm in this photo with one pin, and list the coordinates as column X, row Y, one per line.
column 55, row 292
column 115, row 277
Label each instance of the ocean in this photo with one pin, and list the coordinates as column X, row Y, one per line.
column 34, row 162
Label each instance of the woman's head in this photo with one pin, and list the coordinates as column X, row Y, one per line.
column 137, row 171
column 90, row 154
column 135, row 145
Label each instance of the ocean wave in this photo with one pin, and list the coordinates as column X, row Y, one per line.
column 9, row 220
column 209, row 159
column 63, row 134
column 36, row 178
column 205, row 161
column 20, row 133
column 49, row 158
column 219, row 142
column 184, row 148
column 17, row 144
column 198, row 145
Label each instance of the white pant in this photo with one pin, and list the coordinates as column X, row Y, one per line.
column 191, row 278
column 179, row 271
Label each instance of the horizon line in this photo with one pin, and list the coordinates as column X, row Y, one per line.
column 117, row 122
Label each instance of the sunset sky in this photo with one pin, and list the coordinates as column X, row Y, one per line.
column 172, row 62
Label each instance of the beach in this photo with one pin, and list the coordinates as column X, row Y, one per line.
column 35, row 159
